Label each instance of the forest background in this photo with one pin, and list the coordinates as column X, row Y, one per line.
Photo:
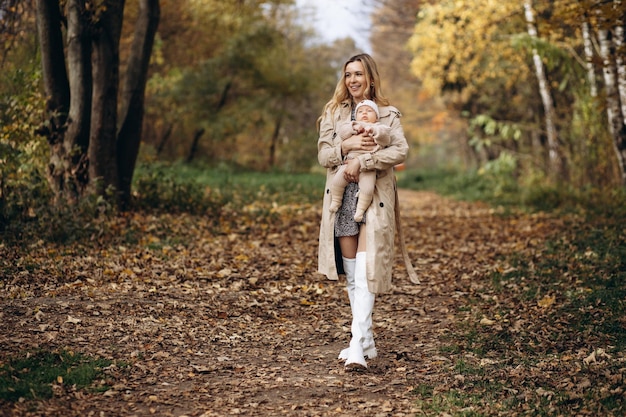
column 517, row 96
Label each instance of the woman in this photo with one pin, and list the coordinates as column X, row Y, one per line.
column 364, row 250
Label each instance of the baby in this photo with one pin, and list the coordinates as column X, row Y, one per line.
column 366, row 123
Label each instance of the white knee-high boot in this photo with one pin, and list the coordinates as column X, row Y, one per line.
column 362, row 342
column 348, row 268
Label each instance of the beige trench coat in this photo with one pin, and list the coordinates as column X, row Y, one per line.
column 381, row 215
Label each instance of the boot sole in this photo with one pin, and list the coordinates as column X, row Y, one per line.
column 355, row 367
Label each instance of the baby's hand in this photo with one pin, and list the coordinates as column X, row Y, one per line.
column 358, row 128
column 369, row 131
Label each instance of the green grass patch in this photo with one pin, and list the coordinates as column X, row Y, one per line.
column 200, row 189
column 465, row 186
column 499, row 188
column 465, row 368
column 32, row 376
column 458, row 402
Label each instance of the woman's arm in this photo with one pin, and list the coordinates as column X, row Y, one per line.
column 391, row 155
column 346, row 130
column 331, row 150
column 328, row 149
column 363, row 143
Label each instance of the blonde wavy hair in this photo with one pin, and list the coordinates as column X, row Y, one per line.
column 373, row 89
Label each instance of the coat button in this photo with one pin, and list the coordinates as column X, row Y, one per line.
column 382, row 204
column 328, row 191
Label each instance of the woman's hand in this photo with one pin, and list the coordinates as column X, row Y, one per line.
column 353, row 168
column 358, row 143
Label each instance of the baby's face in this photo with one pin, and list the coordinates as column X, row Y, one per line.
column 366, row 114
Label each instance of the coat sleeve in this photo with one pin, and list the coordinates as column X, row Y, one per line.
column 381, row 134
column 391, row 155
column 346, row 130
column 328, row 149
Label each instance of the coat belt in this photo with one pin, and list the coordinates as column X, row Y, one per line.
column 405, row 254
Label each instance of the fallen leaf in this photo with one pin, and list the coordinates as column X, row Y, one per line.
column 546, row 301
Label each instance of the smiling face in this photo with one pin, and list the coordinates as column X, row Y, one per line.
column 355, row 80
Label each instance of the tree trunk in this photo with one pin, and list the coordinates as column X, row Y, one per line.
column 588, row 44
column 613, row 107
column 80, row 81
column 164, row 138
column 56, row 85
column 82, row 130
column 194, row 145
column 554, row 151
column 55, row 79
column 132, row 96
column 105, row 66
column 620, row 65
column 274, row 142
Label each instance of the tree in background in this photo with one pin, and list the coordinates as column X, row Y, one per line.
column 453, row 47
column 481, row 57
column 430, row 128
column 608, row 19
column 556, row 166
column 246, row 93
column 94, row 125
column 10, row 13
column 23, row 155
column 228, row 82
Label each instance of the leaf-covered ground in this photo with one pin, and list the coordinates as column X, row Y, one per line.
column 206, row 320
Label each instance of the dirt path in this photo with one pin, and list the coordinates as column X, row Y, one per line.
column 240, row 324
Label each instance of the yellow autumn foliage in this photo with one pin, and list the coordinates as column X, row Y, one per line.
column 466, row 44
